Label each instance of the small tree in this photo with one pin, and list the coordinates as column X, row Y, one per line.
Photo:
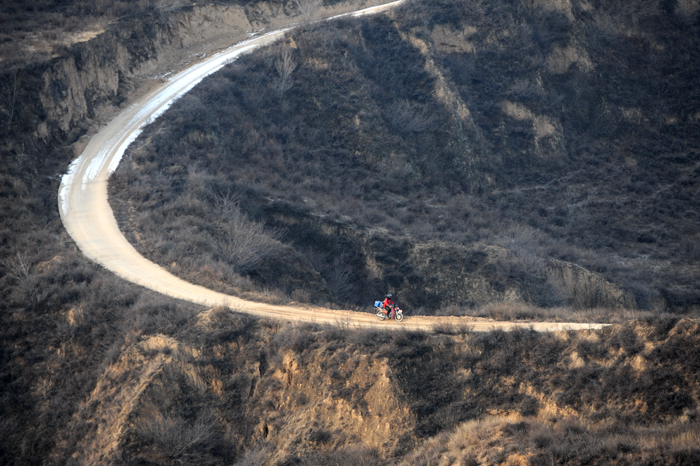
column 407, row 117
column 285, row 66
column 11, row 93
column 18, row 266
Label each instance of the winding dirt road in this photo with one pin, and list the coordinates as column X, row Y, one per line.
column 89, row 219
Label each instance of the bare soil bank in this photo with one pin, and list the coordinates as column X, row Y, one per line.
column 230, row 390
column 57, row 98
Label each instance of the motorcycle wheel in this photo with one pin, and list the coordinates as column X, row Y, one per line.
column 399, row 316
column 380, row 315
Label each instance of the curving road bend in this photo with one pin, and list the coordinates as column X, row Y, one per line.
column 88, row 217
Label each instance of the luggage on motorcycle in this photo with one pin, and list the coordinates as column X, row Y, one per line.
column 378, row 304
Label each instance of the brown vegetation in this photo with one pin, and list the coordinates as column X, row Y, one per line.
column 62, row 319
column 31, row 32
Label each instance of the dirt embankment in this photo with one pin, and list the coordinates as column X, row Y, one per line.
column 233, row 390
column 77, row 91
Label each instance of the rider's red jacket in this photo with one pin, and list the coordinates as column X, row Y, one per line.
column 388, row 303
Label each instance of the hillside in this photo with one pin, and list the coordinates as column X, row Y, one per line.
column 456, row 154
column 94, row 370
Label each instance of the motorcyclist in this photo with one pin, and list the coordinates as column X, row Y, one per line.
column 389, row 306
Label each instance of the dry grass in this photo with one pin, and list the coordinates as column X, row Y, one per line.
column 516, row 440
column 627, row 394
column 525, row 312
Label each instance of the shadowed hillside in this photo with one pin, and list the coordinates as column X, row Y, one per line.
column 457, row 153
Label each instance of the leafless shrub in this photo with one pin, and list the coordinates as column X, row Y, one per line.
column 339, row 274
column 177, row 439
column 407, row 117
column 269, row 295
column 18, row 266
column 167, row 5
column 301, row 295
column 690, row 250
column 369, row 337
column 295, row 337
column 246, row 243
column 285, row 66
column 309, row 9
column 447, row 417
column 338, row 332
column 21, row 268
column 452, row 329
column 255, row 95
column 521, row 239
column 11, row 94
column 577, row 206
column 511, row 311
column 525, row 263
column 227, row 202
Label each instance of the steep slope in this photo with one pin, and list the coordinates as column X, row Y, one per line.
column 68, row 326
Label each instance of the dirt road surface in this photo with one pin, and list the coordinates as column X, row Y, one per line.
column 89, row 219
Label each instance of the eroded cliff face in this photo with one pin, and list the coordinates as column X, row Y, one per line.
column 77, row 90
column 51, row 102
column 234, row 390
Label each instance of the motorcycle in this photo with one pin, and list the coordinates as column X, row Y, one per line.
column 384, row 313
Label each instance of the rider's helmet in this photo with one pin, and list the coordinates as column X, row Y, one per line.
column 388, row 295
